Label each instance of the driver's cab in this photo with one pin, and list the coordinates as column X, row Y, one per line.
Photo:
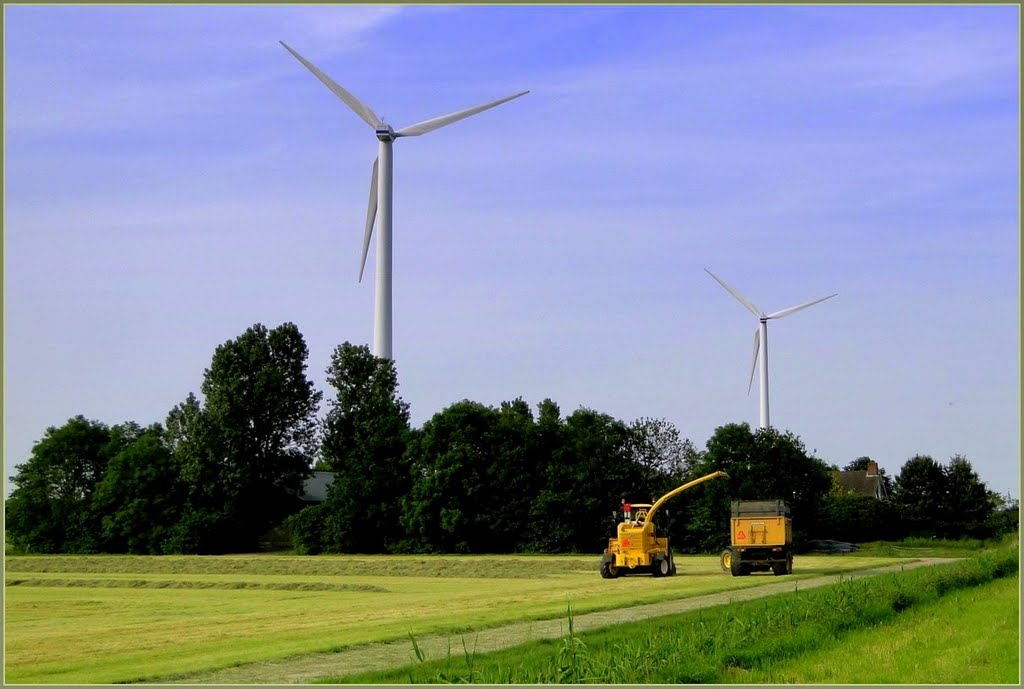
column 638, row 515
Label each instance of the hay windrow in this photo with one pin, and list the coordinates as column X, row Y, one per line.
column 455, row 566
column 193, row 584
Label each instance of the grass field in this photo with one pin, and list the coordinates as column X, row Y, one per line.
column 107, row 619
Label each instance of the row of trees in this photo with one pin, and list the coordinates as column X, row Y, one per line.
column 214, row 478
column 223, row 471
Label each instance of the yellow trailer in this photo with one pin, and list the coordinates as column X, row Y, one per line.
column 638, row 549
column 761, row 538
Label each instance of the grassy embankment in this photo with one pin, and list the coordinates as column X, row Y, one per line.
column 948, row 623
column 106, row 619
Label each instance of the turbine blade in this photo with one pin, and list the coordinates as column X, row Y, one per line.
column 753, row 365
column 368, row 115
column 438, row 122
column 739, row 297
column 794, row 309
column 371, row 215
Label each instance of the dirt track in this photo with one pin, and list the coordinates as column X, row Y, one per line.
column 380, row 656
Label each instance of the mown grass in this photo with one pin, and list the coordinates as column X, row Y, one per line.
column 106, row 619
column 724, row 644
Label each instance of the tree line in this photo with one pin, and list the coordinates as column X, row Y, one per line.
column 225, row 469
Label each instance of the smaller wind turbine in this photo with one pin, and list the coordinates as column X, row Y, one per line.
column 761, row 340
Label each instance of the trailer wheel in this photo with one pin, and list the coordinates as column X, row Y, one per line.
column 779, row 568
column 726, row 560
column 609, row 570
column 789, row 565
column 737, row 567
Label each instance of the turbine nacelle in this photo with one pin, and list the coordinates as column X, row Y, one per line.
column 384, row 132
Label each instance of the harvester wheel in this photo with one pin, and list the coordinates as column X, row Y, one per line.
column 661, row 568
column 609, row 570
column 726, row 560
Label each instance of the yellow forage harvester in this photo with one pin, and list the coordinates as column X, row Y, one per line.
column 638, row 549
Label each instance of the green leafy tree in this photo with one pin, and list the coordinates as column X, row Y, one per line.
column 364, row 439
column 859, row 464
column 452, row 496
column 762, row 465
column 1005, row 518
column 968, row 506
column 661, row 454
column 477, row 471
column 516, row 475
column 182, row 432
column 247, row 450
column 51, row 507
column 203, row 524
column 589, row 472
column 920, row 495
column 856, row 518
column 140, row 496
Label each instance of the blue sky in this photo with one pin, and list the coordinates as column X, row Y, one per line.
column 173, row 176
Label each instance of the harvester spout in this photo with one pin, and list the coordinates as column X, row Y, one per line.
column 671, row 494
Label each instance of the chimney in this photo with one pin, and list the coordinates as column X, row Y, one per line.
column 872, row 468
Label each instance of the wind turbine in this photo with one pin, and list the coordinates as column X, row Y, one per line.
column 761, row 340
column 381, row 193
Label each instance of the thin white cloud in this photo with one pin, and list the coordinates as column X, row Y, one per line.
column 926, row 59
column 341, row 24
column 49, row 95
column 329, row 30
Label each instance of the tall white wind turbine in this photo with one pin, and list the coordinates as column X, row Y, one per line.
column 761, row 340
column 381, row 193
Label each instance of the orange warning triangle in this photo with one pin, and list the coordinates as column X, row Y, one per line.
column 625, row 542
column 741, row 536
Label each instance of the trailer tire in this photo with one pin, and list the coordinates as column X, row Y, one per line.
column 789, row 565
column 725, row 559
column 736, row 566
column 779, row 568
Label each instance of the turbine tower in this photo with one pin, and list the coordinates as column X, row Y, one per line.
column 761, row 340
column 381, row 193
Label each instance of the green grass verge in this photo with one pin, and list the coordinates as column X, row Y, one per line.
column 724, row 644
column 969, row 636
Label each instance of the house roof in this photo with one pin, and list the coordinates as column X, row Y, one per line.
column 315, row 487
column 861, row 483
